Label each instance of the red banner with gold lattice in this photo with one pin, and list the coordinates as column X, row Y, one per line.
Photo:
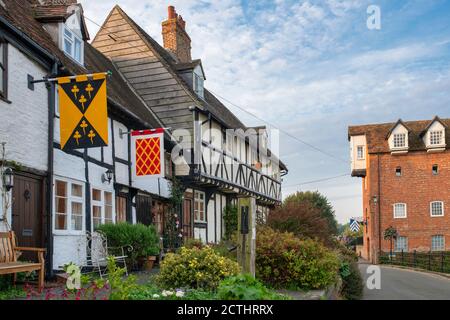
column 148, row 153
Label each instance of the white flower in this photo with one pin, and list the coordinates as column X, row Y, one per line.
column 166, row 293
column 180, row 294
column 156, row 296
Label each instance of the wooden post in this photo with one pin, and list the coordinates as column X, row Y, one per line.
column 247, row 234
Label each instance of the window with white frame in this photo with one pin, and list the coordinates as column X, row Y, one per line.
column 401, row 244
column 102, row 207
column 437, row 208
column 438, row 243
column 360, row 152
column 73, row 45
column 198, row 85
column 69, row 205
column 400, row 210
column 199, row 206
column 399, row 140
column 436, row 137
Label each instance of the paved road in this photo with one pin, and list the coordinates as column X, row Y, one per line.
column 401, row 284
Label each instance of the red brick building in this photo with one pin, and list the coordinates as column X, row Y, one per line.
column 405, row 171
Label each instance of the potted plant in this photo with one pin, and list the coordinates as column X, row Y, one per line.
column 149, row 260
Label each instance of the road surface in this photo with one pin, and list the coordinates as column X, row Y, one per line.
column 403, row 284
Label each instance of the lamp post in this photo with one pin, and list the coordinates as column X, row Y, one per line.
column 8, row 179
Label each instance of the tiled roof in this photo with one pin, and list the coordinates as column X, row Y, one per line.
column 377, row 134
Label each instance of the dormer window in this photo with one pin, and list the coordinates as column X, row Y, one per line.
column 73, row 45
column 436, row 138
column 400, row 140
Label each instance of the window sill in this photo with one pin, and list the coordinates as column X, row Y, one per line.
column 437, row 216
column 68, row 233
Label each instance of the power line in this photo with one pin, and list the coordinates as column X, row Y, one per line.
column 244, row 110
column 282, row 130
column 315, row 181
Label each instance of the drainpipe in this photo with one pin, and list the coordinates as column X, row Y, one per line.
column 379, row 208
column 51, row 121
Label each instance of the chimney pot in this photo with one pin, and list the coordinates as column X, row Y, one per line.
column 172, row 13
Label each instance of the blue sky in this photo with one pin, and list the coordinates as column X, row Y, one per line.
column 313, row 68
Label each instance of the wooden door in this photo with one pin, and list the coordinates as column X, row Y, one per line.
column 144, row 210
column 187, row 219
column 27, row 215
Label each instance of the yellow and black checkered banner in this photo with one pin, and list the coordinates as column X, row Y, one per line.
column 83, row 112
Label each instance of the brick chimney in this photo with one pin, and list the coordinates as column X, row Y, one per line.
column 175, row 38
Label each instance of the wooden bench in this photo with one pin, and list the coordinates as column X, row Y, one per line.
column 9, row 254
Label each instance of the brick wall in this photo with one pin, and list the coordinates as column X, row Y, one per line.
column 417, row 187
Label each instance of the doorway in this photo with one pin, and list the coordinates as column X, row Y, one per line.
column 27, row 212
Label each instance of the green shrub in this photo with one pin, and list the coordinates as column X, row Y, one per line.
column 245, row 287
column 352, row 282
column 193, row 243
column 143, row 239
column 284, row 261
column 120, row 287
column 195, row 268
column 223, row 249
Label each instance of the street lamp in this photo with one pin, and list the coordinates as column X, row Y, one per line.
column 8, row 179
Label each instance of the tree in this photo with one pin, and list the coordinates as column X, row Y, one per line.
column 320, row 202
column 390, row 234
column 302, row 219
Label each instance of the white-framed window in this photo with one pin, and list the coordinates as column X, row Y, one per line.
column 437, row 209
column 72, row 45
column 360, row 152
column 199, row 206
column 399, row 210
column 436, row 137
column 438, row 243
column 198, row 83
column 102, row 207
column 399, row 140
column 401, row 244
column 69, row 205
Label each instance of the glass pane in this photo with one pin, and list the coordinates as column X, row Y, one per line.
column 108, row 221
column 96, row 195
column 61, row 188
column 77, row 223
column 68, row 46
column 97, row 222
column 61, row 205
column 77, row 190
column 1, row 79
column 1, row 53
column 68, row 33
column 77, row 208
column 108, row 212
column 108, row 198
column 77, row 53
column 96, row 212
column 61, row 222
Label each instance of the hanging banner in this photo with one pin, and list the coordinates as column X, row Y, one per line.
column 83, row 112
column 147, row 154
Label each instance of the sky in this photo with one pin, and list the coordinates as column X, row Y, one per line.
column 312, row 68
